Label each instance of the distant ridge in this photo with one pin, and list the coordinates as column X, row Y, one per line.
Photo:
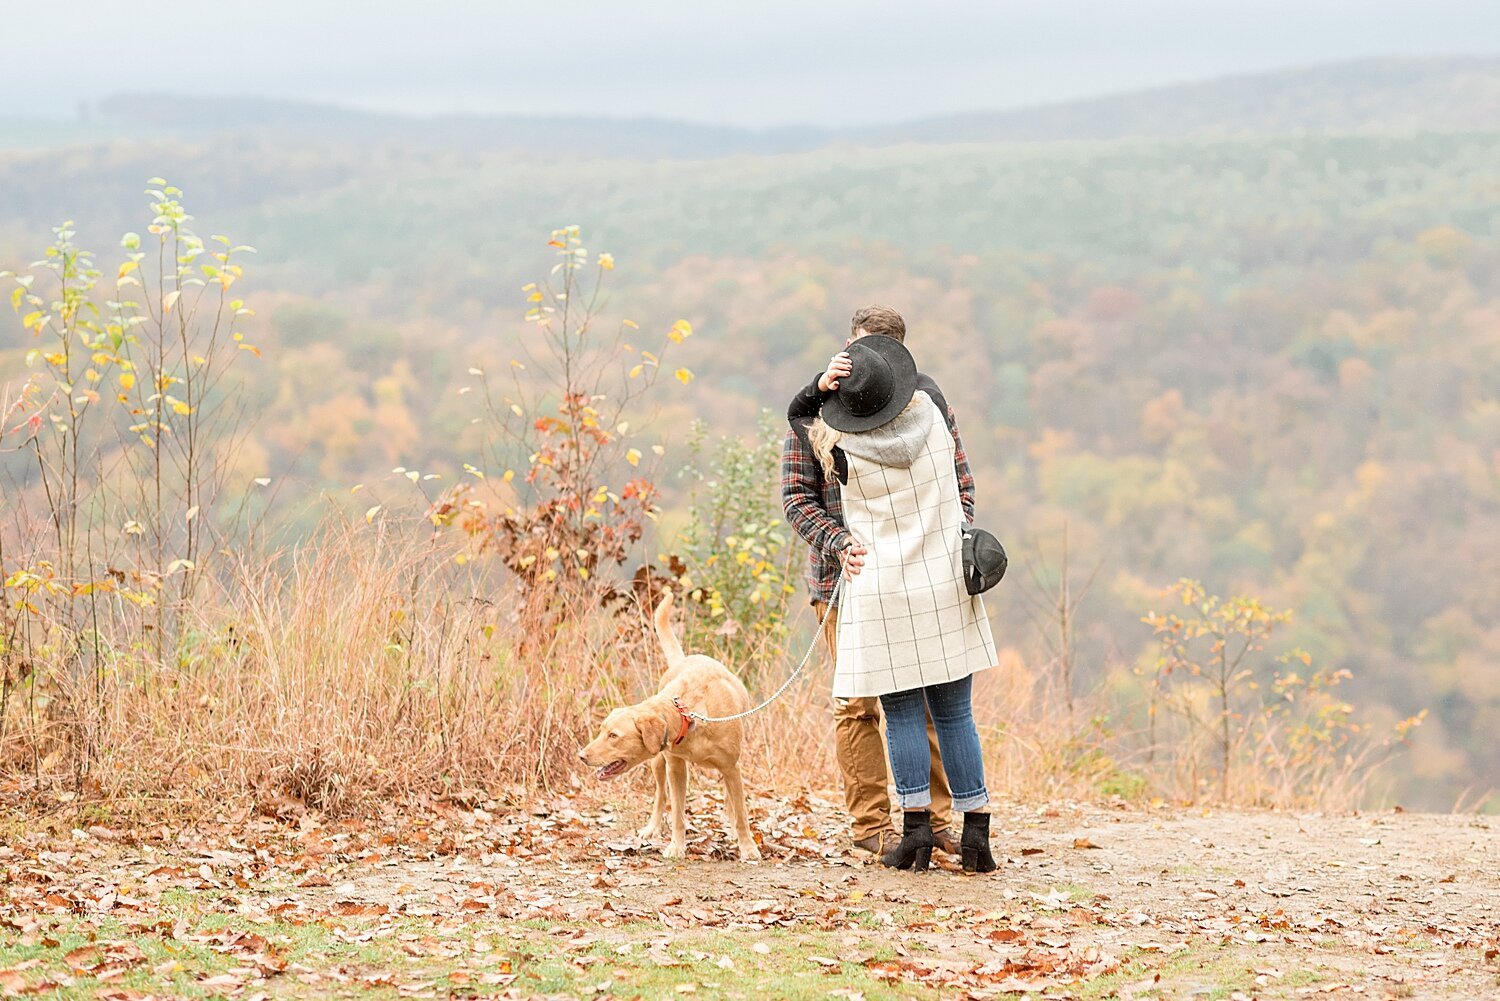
column 175, row 114
column 1451, row 94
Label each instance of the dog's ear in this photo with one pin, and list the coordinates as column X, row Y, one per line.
column 653, row 733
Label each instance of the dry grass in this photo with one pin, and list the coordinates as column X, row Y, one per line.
column 369, row 664
column 364, row 665
column 358, row 665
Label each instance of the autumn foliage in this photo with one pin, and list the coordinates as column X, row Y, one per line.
column 162, row 643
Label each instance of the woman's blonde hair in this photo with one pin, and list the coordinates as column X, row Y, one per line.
column 824, row 439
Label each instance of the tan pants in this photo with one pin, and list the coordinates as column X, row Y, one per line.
column 861, row 753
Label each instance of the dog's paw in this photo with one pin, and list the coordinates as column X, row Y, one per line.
column 749, row 852
column 648, row 832
column 675, row 850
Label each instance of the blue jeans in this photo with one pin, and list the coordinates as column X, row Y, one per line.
column 958, row 740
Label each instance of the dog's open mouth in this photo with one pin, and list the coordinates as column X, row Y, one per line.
column 612, row 769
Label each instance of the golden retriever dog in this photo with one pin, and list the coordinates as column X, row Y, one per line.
column 657, row 730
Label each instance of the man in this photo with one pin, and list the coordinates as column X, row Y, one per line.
column 813, row 506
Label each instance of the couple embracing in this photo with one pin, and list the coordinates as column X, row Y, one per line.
column 875, row 479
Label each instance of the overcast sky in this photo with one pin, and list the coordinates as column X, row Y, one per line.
column 741, row 62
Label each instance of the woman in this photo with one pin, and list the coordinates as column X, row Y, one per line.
column 909, row 631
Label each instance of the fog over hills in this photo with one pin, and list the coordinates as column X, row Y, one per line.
column 1377, row 95
column 1403, row 95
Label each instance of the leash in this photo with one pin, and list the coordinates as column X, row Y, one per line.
column 838, row 585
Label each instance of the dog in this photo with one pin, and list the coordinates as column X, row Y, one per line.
column 658, row 730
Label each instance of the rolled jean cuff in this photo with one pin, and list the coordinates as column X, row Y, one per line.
column 972, row 801
column 915, row 799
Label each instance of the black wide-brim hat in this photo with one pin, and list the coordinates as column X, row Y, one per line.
column 882, row 378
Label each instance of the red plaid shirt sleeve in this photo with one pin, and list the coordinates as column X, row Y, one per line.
column 961, row 467
column 804, row 500
column 815, row 509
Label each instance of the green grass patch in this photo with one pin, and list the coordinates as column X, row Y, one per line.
column 1209, row 972
column 377, row 957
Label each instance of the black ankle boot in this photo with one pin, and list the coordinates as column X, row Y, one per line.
column 915, row 849
column 976, row 843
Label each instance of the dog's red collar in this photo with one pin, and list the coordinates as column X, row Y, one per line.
column 687, row 722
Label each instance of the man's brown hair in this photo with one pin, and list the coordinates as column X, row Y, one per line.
column 882, row 320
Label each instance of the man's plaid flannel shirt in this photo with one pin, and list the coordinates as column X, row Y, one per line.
column 816, row 509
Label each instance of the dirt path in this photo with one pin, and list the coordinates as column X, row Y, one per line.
column 1090, row 902
column 1392, row 904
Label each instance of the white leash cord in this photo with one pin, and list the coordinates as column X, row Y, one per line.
column 827, row 611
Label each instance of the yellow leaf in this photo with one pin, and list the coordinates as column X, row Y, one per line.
column 607, row 262
column 684, row 376
column 633, row 457
column 169, row 300
column 127, row 380
column 510, row 474
column 634, row 372
column 178, row 407
column 126, row 268
column 370, row 514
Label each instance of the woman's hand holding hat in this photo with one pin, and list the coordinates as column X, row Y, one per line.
column 874, row 391
column 839, row 366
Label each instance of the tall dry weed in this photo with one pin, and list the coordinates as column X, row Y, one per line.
column 358, row 664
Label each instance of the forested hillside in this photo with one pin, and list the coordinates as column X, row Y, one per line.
column 1269, row 363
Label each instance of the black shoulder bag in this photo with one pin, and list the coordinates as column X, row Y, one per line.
column 984, row 560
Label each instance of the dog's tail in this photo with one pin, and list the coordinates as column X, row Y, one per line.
column 669, row 644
